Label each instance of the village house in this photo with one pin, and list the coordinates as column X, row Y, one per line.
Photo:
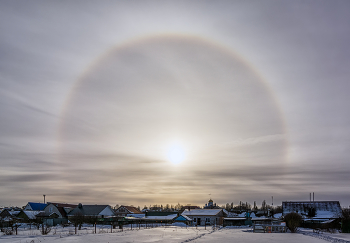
column 206, row 216
column 128, row 211
column 97, row 211
column 56, row 213
column 28, row 216
column 9, row 213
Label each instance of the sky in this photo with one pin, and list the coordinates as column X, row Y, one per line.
column 156, row 102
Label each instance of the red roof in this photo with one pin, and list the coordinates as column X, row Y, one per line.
column 131, row 209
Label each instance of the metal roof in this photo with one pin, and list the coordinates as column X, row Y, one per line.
column 37, row 206
column 88, row 210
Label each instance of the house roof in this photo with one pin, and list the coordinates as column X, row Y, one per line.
column 167, row 217
column 37, row 206
column 88, row 210
column 131, row 209
column 204, row 212
column 183, row 218
column 31, row 214
column 64, row 205
column 62, row 208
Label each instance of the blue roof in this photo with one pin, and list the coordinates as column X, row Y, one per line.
column 182, row 218
column 37, row 206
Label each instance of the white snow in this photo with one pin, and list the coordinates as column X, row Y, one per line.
column 204, row 212
column 167, row 217
column 31, row 214
column 168, row 234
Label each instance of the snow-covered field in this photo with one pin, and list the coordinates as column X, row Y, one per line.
column 168, row 234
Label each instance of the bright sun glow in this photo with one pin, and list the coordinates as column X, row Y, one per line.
column 176, row 154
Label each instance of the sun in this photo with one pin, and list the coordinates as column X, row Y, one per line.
column 175, row 154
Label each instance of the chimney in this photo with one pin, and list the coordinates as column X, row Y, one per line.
column 313, row 196
column 310, row 196
column 44, row 198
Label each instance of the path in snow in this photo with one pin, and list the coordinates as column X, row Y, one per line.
column 174, row 234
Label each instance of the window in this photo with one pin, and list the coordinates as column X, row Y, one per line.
column 50, row 210
column 194, row 219
column 207, row 220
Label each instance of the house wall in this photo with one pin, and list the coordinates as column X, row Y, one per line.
column 54, row 222
column 121, row 211
column 52, row 209
column 212, row 220
column 107, row 212
column 28, row 207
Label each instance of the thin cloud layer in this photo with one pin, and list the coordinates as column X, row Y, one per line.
column 92, row 95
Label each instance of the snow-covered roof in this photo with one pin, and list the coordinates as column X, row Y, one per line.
column 167, row 217
column 14, row 213
column 136, row 215
column 204, row 212
column 323, row 209
column 31, row 214
column 183, row 218
column 90, row 210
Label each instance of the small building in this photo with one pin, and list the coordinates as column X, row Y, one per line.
column 128, row 211
column 96, row 211
column 6, row 213
column 316, row 211
column 56, row 213
column 237, row 221
column 28, row 216
column 189, row 207
column 206, row 216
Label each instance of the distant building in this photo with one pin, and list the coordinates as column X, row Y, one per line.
column 211, row 205
column 189, row 207
column 205, row 216
column 9, row 213
column 28, row 215
column 56, row 213
column 98, row 211
column 128, row 211
column 313, row 210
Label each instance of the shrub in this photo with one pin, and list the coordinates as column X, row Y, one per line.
column 8, row 232
column 45, row 230
column 345, row 220
column 293, row 221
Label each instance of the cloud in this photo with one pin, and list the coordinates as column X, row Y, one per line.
column 258, row 94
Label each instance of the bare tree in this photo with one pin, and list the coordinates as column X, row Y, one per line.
column 77, row 220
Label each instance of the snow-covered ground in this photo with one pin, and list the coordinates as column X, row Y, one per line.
column 167, row 234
